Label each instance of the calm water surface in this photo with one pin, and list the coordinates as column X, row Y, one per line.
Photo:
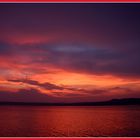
column 60, row 121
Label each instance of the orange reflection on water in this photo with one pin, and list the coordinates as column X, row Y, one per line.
column 70, row 121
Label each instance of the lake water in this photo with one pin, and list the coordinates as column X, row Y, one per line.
column 71, row 121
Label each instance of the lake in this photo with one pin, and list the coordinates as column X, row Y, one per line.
column 69, row 121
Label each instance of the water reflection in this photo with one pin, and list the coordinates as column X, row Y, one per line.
column 69, row 121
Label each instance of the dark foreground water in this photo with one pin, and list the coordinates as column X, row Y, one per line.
column 59, row 121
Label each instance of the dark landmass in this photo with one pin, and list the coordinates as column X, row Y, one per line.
column 126, row 101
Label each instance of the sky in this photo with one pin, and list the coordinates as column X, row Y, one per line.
column 72, row 52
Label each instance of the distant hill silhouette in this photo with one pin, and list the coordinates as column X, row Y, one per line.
column 125, row 101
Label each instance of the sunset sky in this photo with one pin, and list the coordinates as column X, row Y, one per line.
column 69, row 52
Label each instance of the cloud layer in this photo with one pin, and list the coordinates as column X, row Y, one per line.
column 71, row 51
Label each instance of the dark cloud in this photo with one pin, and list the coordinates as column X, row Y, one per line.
column 93, row 59
column 33, row 95
column 5, row 49
column 45, row 85
column 26, row 95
